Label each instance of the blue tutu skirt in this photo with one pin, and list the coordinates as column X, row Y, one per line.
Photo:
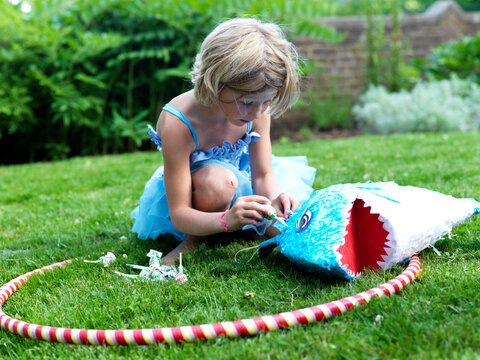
column 152, row 217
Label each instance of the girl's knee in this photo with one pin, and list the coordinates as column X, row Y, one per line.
column 213, row 188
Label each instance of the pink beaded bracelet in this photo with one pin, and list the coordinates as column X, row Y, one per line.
column 224, row 222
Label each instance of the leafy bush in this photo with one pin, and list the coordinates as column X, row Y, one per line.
column 85, row 77
column 81, row 78
column 446, row 105
column 461, row 57
column 333, row 111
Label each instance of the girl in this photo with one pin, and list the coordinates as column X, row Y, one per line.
column 219, row 173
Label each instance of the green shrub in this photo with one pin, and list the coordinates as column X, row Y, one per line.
column 85, row 77
column 461, row 57
column 70, row 71
column 333, row 111
column 445, row 105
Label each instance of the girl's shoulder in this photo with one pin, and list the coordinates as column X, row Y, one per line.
column 184, row 109
column 184, row 101
column 174, row 125
column 181, row 106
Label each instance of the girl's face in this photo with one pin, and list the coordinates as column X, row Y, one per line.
column 241, row 108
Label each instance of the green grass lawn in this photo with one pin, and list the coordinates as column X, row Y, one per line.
column 63, row 210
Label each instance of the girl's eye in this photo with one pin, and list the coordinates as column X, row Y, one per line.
column 304, row 220
column 246, row 103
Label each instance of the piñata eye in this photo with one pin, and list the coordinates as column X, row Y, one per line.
column 304, row 220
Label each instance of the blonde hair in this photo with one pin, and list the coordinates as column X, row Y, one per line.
column 248, row 56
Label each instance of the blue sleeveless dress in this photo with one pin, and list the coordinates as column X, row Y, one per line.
column 152, row 217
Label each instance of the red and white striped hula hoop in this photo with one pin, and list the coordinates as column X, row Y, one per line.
column 192, row 333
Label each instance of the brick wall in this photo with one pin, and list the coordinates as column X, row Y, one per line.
column 344, row 64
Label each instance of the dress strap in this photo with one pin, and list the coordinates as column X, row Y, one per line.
column 249, row 127
column 174, row 111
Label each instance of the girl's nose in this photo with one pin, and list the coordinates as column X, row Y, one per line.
column 255, row 111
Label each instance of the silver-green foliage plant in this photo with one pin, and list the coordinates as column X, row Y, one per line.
column 437, row 106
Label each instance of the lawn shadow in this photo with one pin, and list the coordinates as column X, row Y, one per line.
column 139, row 248
column 291, row 272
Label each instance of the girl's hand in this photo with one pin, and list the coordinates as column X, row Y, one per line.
column 247, row 210
column 283, row 203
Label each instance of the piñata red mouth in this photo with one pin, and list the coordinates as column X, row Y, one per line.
column 365, row 240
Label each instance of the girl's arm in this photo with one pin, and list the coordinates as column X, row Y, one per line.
column 264, row 180
column 177, row 145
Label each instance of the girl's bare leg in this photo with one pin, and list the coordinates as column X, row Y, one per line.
column 213, row 190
